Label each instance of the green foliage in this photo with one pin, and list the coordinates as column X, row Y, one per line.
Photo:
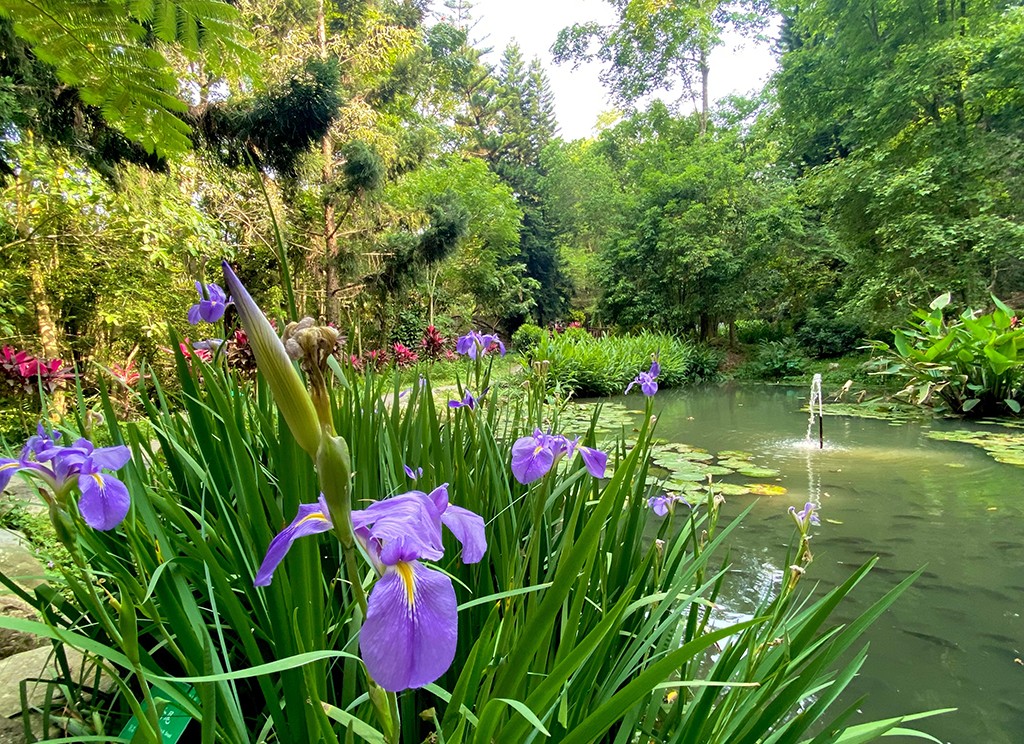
column 774, row 360
column 112, row 54
column 278, row 126
column 971, row 364
column 756, row 331
column 826, row 336
column 588, row 366
column 528, row 337
column 909, row 145
column 575, row 623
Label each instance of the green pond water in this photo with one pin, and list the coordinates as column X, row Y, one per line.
column 952, row 640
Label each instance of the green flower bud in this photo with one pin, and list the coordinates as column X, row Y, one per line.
column 290, row 394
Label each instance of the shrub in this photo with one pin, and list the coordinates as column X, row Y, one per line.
column 972, row 364
column 756, row 331
column 591, row 366
column 826, row 337
column 528, row 337
column 777, row 359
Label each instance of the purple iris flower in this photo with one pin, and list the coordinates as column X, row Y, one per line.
column 661, row 504
column 409, row 635
column 468, row 401
column 805, row 517
column 413, row 474
column 104, row 500
column 475, row 343
column 212, row 303
column 646, row 380
column 534, row 456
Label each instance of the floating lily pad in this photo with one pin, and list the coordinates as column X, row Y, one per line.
column 687, row 476
column 1002, row 447
column 731, row 489
column 735, row 464
column 717, row 470
column 696, row 456
column 766, row 489
column 734, row 455
column 895, row 413
column 756, row 471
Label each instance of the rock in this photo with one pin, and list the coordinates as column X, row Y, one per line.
column 13, row 641
column 40, row 664
column 17, row 562
column 20, row 494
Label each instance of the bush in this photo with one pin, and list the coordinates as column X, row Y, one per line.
column 756, row 331
column 777, row 359
column 826, row 337
column 591, row 366
column 972, row 364
column 528, row 337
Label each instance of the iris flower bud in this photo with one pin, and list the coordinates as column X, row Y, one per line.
column 290, row 394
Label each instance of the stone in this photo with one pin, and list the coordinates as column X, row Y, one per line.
column 14, row 641
column 20, row 494
column 17, row 562
column 41, row 664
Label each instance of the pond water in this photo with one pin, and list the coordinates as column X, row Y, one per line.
column 956, row 637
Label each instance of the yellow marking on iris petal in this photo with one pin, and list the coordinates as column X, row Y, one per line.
column 317, row 516
column 99, row 481
column 9, row 465
column 406, row 575
column 538, row 449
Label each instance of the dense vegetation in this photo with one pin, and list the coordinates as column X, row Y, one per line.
column 414, row 184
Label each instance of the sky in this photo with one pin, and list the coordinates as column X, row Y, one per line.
column 739, row 66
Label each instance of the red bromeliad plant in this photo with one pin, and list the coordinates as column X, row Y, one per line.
column 28, row 374
column 433, row 344
column 404, row 356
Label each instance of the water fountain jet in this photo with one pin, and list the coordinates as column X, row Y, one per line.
column 816, row 398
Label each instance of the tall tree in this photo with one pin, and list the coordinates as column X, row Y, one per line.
column 660, row 45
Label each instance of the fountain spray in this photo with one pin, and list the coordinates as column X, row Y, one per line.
column 816, row 399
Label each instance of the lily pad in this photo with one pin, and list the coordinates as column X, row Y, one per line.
column 766, row 489
column 756, row 471
column 1005, row 447
column 717, row 470
column 731, row 489
column 735, row 464
column 734, row 455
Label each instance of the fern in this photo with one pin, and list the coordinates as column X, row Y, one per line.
column 110, row 51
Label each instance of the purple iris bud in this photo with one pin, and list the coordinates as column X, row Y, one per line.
column 413, row 474
column 534, row 456
column 475, row 344
column 212, row 303
column 468, row 401
column 42, row 445
column 210, row 344
column 646, row 380
column 806, row 516
column 408, row 638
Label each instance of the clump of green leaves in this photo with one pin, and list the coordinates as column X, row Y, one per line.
column 972, row 364
column 604, row 366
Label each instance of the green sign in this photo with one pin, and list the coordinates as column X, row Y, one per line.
column 173, row 720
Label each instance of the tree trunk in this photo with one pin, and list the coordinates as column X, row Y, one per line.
column 705, row 70
column 48, row 339
column 329, row 307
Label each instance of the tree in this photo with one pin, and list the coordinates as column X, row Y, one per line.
column 907, row 132
column 657, row 45
column 121, row 60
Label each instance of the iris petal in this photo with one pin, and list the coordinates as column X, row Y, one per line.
column 104, row 502
column 468, row 529
column 7, row 470
column 595, row 460
column 408, row 638
column 406, row 527
column 531, row 464
column 311, row 519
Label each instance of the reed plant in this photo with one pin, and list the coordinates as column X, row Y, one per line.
column 585, row 621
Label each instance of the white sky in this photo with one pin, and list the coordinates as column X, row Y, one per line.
column 738, row 67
